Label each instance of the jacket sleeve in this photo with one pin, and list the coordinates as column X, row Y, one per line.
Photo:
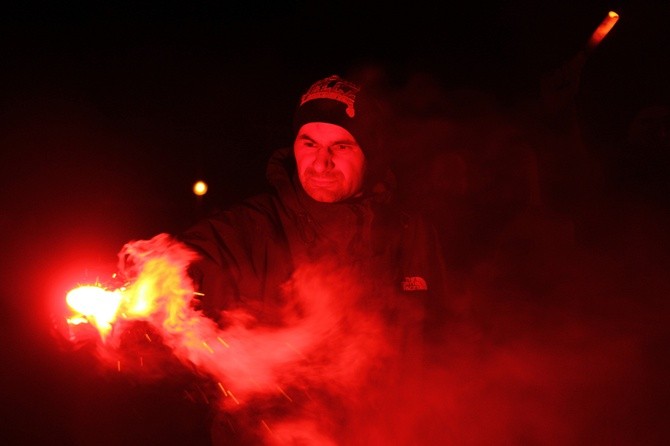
column 243, row 259
column 223, row 247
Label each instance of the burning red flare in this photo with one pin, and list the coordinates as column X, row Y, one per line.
column 96, row 305
column 315, row 350
column 603, row 29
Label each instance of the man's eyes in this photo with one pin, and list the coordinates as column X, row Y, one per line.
column 336, row 147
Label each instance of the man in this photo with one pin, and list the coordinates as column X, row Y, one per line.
column 332, row 199
column 331, row 210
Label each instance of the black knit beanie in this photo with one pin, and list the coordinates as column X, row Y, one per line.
column 338, row 101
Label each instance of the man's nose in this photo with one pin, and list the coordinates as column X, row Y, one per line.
column 323, row 160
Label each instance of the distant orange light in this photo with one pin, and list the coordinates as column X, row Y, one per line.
column 605, row 26
column 200, row 188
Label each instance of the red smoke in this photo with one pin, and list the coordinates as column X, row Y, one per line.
column 558, row 326
column 330, row 343
column 549, row 368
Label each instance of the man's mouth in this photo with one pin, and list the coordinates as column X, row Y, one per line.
column 322, row 181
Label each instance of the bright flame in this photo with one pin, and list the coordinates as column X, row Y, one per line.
column 94, row 303
column 605, row 26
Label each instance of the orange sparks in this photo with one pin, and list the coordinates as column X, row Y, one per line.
column 227, row 392
column 284, row 393
column 265, row 425
column 230, row 394
column 603, row 29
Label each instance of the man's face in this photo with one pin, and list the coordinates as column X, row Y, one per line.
column 331, row 164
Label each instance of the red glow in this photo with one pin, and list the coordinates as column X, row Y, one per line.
column 603, row 29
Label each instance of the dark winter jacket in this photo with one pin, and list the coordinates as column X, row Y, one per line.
column 380, row 278
column 251, row 249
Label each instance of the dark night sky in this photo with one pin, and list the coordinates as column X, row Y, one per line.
column 110, row 110
column 123, row 105
column 161, row 94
